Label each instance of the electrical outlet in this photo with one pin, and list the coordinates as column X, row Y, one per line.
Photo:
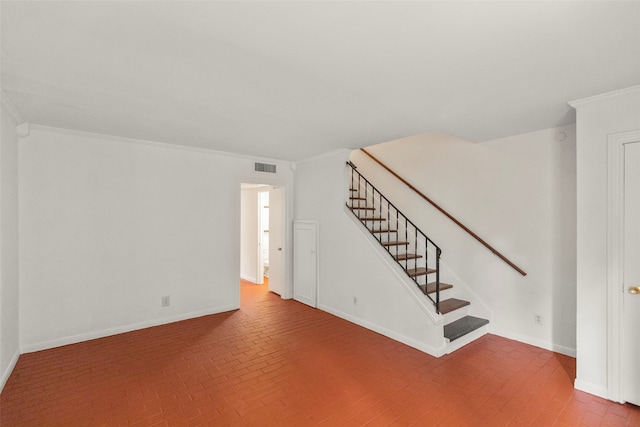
column 166, row 301
column 355, row 300
column 537, row 319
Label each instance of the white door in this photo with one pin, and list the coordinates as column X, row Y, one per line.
column 305, row 262
column 263, row 237
column 631, row 277
column 277, row 248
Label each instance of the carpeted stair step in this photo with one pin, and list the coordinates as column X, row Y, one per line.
column 463, row 326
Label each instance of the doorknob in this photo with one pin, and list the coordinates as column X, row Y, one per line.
column 634, row 290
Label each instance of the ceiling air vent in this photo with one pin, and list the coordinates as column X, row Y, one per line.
column 264, row 167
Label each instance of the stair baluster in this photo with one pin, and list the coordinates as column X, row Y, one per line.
column 373, row 204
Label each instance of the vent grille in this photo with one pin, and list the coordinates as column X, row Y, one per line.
column 265, row 167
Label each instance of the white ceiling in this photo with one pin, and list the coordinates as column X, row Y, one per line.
column 291, row 80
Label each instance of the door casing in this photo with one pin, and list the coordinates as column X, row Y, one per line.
column 615, row 253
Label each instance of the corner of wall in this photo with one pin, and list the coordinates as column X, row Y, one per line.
column 9, row 369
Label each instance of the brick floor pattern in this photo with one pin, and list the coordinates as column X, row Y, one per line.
column 278, row 362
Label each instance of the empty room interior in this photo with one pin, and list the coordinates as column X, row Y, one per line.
column 319, row 213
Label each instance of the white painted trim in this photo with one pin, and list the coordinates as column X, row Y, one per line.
column 7, row 373
column 590, row 388
column 156, row 144
column 612, row 94
column 23, row 130
column 344, row 151
column 11, row 109
column 615, row 253
column 408, row 284
column 546, row 345
column 435, row 352
column 248, row 278
column 259, row 261
column 466, row 339
column 316, row 224
column 123, row 329
column 274, row 180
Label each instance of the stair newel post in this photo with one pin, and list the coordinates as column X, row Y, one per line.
column 438, row 253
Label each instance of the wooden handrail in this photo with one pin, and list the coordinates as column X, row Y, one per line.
column 447, row 214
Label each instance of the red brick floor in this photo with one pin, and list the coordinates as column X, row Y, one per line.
column 281, row 363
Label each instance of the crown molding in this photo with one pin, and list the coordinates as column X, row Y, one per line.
column 607, row 95
column 341, row 151
column 23, row 130
column 148, row 143
column 8, row 105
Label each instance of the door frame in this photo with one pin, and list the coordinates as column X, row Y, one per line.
column 275, row 252
column 275, row 181
column 316, row 226
column 615, row 254
column 260, row 257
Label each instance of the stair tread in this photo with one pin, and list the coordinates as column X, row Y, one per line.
column 357, row 198
column 463, row 326
column 431, row 287
column 404, row 257
column 420, row 271
column 372, row 218
column 451, row 304
column 362, row 208
column 384, row 230
column 394, row 243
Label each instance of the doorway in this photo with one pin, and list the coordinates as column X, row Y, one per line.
column 623, row 249
column 262, row 235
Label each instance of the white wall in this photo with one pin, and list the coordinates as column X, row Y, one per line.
column 109, row 226
column 9, row 327
column 518, row 194
column 597, row 118
column 349, row 265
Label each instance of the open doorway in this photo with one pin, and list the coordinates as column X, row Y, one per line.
column 262, row 235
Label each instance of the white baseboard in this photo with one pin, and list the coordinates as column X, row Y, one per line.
column 433, row 351
column 556, row 348
column 590, row 388
column 7, row 372
column 466, row 339
column 58, row 342
column 249, row 278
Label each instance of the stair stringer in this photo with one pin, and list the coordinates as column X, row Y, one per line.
column 477, row 306
column 421, row 300
column 461, row 290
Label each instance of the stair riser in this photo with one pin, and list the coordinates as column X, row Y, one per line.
column 470, row 337
column 446, row 294
column 455, row 314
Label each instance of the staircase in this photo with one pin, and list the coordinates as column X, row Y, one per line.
column 418, row 256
